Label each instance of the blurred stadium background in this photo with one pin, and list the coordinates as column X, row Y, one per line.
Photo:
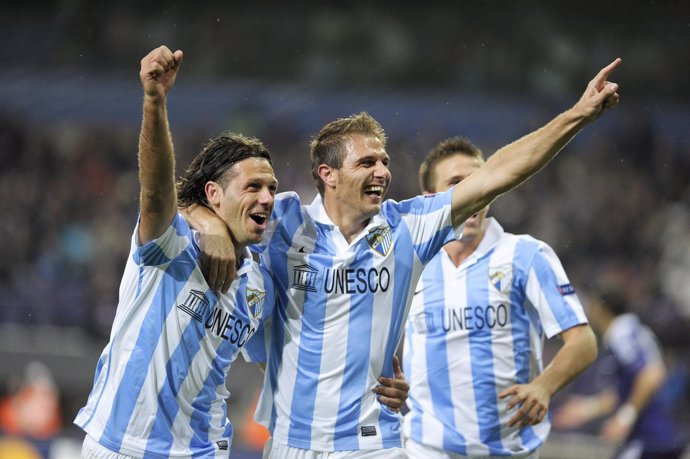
column 615, row 205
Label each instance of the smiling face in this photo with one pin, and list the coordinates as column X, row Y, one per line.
column 244, row 199
column 362, row 181
column 450, row 171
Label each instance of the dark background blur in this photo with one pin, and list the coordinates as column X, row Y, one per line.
column 615, row 205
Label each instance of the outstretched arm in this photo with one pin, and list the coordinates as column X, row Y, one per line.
column 156, row 160
column 578, row 352
column 516, row 162
column 581, row 409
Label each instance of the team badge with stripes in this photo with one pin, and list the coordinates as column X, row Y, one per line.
column 380, row 240
column 501, row 277
column 255, row 302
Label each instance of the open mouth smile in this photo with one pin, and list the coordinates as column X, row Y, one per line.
column 374, row 190
column 259, row 217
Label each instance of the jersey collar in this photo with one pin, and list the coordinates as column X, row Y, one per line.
column 317, row 211
column 493, row 234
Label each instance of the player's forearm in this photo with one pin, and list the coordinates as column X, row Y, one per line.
column 156, row 170
column 577, row 353
column 203, row 219
column 516, row 162
column 156, row 161
column 647, row 383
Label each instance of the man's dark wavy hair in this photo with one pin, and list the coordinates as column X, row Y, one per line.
column 212, row 163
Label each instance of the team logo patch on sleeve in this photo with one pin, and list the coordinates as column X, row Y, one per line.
column 255, row 302
column 566, row 289
column 380, row 240
column 501, row 277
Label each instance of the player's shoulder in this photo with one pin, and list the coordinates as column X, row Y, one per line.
column 288, row 197
column 529, row 243
column 287, row 203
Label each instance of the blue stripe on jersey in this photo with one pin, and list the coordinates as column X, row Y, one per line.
column 137, row 367
column 289, row 216
column 437, row 360
column 416, row 425
column 404, row 265
column 99, row 368
column 482, row 358
column 520, row 325
column 547, row 277
column 199, row 423
column 310, row 351
column 356, row 367
column 152, row 255
column 177, row 369
column 428, row 249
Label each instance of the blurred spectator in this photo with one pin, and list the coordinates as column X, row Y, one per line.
column 31, row 410
column 639, row 423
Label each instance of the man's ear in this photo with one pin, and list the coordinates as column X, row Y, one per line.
column 328, row 175
column 214, row 193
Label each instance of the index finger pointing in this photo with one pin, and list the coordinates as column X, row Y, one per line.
column 604, row 73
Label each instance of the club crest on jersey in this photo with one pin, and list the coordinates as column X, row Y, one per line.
column 380, row 240
column 196, row 305
column 501, row 277
column 255, row 302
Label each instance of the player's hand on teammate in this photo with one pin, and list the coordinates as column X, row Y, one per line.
column 392, row 392
column 218, row 260
column 532, row 401
column 158, row 71
column 600, row 94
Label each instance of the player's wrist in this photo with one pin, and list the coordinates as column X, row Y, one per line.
column 154, row 101
column 626, row 414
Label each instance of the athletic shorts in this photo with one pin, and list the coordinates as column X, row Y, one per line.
column 91, row 449
column 287, row 452
column 418, row 451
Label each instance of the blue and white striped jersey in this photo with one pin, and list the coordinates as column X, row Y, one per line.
column 476, row 330
column 340, row 312
column 159, row 388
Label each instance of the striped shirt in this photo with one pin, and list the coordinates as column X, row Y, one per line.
column 159, row 388
column 340, row 312
column 474, row 331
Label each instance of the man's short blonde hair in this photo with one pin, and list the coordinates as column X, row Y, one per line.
column 327, row 146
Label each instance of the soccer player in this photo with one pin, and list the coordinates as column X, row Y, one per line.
column 345, row 267
column 635, row 372
column 159, row 389
column 474, row 336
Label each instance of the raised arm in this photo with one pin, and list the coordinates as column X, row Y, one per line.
column 516, row 162
column 578, row 352
column 156, row 160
